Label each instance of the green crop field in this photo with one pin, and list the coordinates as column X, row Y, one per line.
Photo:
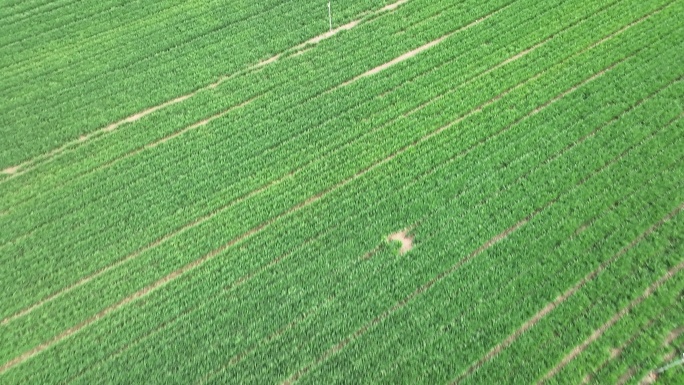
column 398, row 192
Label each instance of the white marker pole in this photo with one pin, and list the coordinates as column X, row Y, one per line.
column 329, row 15
column 672, row 365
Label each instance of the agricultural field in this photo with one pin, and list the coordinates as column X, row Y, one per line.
column 406, row 192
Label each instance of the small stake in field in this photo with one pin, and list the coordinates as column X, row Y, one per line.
column 329, row 16
column 672, row 365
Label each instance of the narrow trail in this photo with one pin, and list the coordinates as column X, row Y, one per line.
column 259, row 228
column 30, row 164
column 542, row 43
column 211, row 255
column 172, row 276
column 151, row 145
column 228, row 205
column 195, row 307
column 489, row 244
column 562, row 298
column 581, row 182
column 579, row 349
column 399, row 305
column 248, row 277
column 616, row 352
column 416, row 51
column 507, row 61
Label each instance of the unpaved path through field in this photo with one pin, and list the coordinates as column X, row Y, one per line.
column 30, row 164
column 560, row 299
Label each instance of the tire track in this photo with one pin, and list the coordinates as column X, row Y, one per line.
column 593, row 173
column 188, row 267
column 416, row 51
column 533, row 48
column 189, row 39
column 616, row 352
column 513, row 279
column 613, row 320
column 206, row 217
column 560, row 299
column 359, row 332
column 313, row 199
column 467, row 82
column 30, row 164
column 91, row 170
column 263, row 268
column 191, row 309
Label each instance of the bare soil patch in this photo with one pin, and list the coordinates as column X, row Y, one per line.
column 330, row 34
column 393, row 6
column 625, row 377
column 614, row 353
column 612, row 321
column 422, row 289
column 11, row 170
column 405, row 239
column 673, row 335
column 267, row 61
column 649, row 379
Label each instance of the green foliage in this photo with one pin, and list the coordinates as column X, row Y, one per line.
column 237, row 236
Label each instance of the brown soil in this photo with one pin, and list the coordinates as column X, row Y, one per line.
column 560, row 299
column 418, row 50
column 201, row 123
column 179, row 272
column 625, row 377
column 11, row 170
column 670, row 356
column 612, row 321
column 142, row 114
column 405, row 239
column 614, row 353
column 673, row 335
column 332, row 33
column 267, row 61
column 137, row 116
column 503, row 63
column 393, row 6
column 649, row 379
column 338, row 347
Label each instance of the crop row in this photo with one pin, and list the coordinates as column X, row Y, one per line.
column 306, row 89
column 238, row 86
column 124, row 183
column 371, row 297
column 478, row 277
column 92, row 105
column 233, row 87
